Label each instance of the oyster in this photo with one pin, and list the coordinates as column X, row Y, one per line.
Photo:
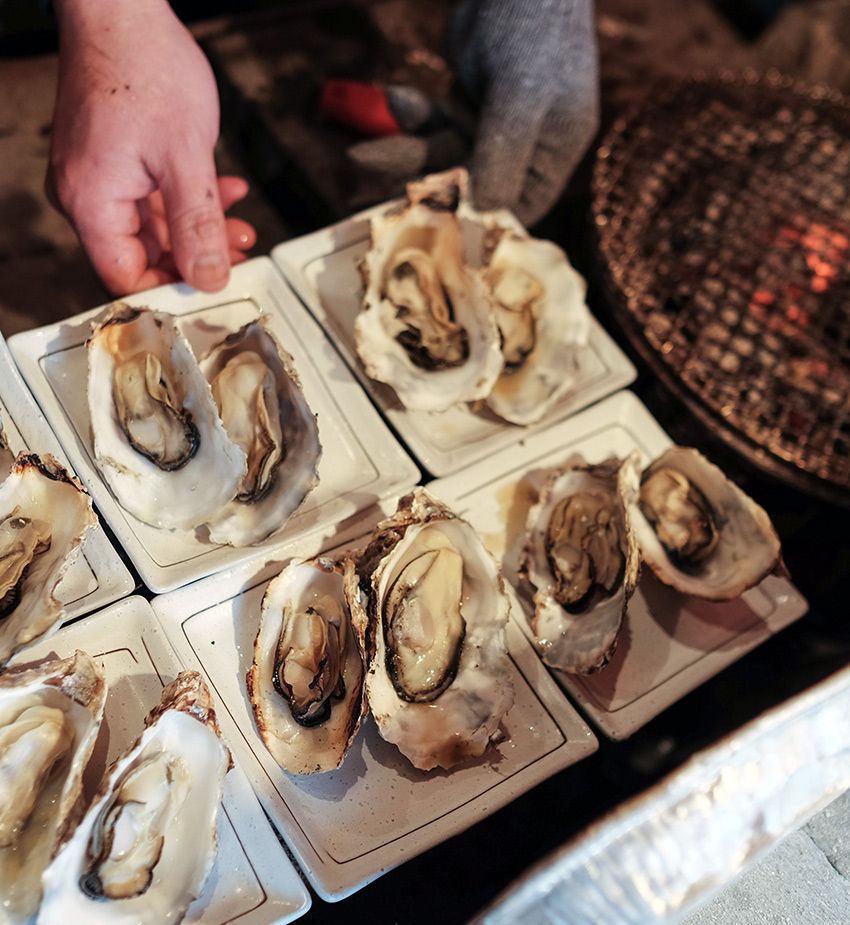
column 306, row 683
column 7, row 457
column 259, row 398
column 543, row 321
column 582, row 560
column 158, row 439
column 426, row 327
column 50, row 715
column 44, row 516
column 431, row 615
column 698, row 531
column 146, row 844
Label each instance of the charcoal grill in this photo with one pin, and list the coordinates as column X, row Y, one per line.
column 723, row 214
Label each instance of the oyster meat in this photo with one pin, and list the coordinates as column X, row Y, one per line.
column 144, row 848
column 426, row 326
column 306, row 682
column 698, row 531
column 158, row 439
column 431, row 615
column 262, row 406
column 50, row 715
column 582, row 561
column 44, row 516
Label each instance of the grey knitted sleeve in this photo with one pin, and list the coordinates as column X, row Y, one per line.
column 532, row 66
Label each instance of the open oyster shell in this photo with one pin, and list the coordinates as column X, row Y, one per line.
column 262, row 406
column 306, row 683
column 158, row 439
column 50, row 715
column 426, row 326
column 698, row 531
column 583, row 562
column 147, row 842
column 431, row 615
column 544, row 324
column 44, row 516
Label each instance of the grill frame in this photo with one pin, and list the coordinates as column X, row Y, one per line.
column 636, row 167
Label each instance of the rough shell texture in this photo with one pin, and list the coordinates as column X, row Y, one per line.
column 184, row 497
column 462, row 721
column 244, row 523
column 75, row 686
column 580, row 642
column 182, row 729
column 41, row 490
column 297, row 748
column 428, row 224
column 748, row 548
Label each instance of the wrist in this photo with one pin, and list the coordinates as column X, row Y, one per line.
column 101, row 15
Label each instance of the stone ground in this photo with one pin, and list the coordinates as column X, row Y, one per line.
column 269, row 66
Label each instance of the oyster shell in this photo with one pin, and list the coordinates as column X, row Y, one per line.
column 146, row 844
column 306, row 682
column 698, row 531
column 426, row 326
column 431, row 616
column 7, row 457
column 262, row 406
column 158, row 439
column 50, row 715
column 44, row 516
column 543, row 321
column 582, row 560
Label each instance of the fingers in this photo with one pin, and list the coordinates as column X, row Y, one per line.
column 109, row 233
column 196, row 224
column 504, row 146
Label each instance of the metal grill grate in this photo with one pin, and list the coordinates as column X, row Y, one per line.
column 723, row 211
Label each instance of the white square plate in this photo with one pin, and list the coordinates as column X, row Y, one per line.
column 361, row 461
column 669, row 643
column 252, row 881
column 322, row 268
column 97, row 576
column 348, row 826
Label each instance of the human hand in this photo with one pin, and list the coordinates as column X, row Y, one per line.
column 131, row 162
column 532, row 65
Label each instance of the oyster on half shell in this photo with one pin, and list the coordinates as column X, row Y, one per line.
column 44, row 516
column 431, row 615
column 306, row 682
column 543, row 321
column 261, row 403
column 147, row 842
column 50, row 715
column 582, row 560
column 426, row 326
column 698, row 531
column 158, row 439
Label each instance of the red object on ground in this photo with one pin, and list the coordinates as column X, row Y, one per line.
column 358, row 105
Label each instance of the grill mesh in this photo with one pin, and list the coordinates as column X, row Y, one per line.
column 723, row 211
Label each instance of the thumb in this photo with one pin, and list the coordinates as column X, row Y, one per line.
column 196, row 222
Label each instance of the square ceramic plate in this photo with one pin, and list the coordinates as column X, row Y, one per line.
column 669, row 643
column 97, row 576
column 348, row 826
column 252, row 881
column 322, row 268
column 361, row 461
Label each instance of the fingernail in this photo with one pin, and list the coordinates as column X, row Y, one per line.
column 209, row 271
